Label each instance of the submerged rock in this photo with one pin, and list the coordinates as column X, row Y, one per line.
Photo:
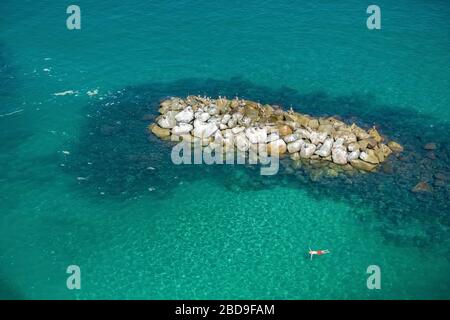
column 430, row 146
column 422, row 187
column 395, row 147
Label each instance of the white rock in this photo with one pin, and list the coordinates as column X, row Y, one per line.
column 339, row 155
column 226, row 118
column 205, row 131
column 277, row 146
column 338, row 143
column 223, row 126
column 231, row 123
column 167, row 120
column 228, row 134
column 272, row 137
column 182, row 128
column 218, row 137
column 228, row 138
column 213, row 111
column 290, row 138
column 237, row 130
column 237, row 116
column 256, row 135
column 245, row 121
column 353, row 155
column 215, row 120
column 353, row 146
column 185, row 116
column 204, row 116
column 325, row 149
column 242, row 142
column 295, row 146
column 317, row 137
column 348, row 137
column 369, row 156
column 307, row 150
column 198, row 123
column 253, row 156
column 303, row 133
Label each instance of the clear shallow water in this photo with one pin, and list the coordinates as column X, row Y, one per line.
column 209, row 232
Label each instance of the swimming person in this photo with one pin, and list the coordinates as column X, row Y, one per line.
column 317, row 252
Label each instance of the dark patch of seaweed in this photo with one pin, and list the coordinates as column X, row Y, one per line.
column 122, row 160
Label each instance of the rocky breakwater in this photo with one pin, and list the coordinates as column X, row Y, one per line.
column 242, row 125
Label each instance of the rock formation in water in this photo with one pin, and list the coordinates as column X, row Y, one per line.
column 242, row 125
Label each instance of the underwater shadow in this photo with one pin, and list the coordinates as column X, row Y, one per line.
column 117, row 158
column 14, row 124
column 8, row 291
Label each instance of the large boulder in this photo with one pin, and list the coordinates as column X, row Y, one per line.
column 272, row 137
column 290, row 138
column 228, row 138
column 353, row 155
column 382, row 151
column 284, row 130
column 339, row 142
column 307, row 150
column 225, row 118
column 375, row 134
column 256, row 135
column 313, row 124
column 174, row 104
column 325, row 150
column 295, row 146
column 185, row 116
column 395, row 147
column 167, row 120
column 237, row 130
column 277, row 147
column 204, row 116
column 205, row 130
column 430, row 146
column 223, row 105
column 242, row 143
column 317, row 137
column 251, row 110
column 369, row 156
column 303, row 133
column 182, row 128
column 245, row 121
column 232, row 123
column 353, row 146
column 422, row 187
column 348, row 137
column 159, row 132
column 362, row 165
column 339, row 155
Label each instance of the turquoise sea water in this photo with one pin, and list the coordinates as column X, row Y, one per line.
column 218, row 232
